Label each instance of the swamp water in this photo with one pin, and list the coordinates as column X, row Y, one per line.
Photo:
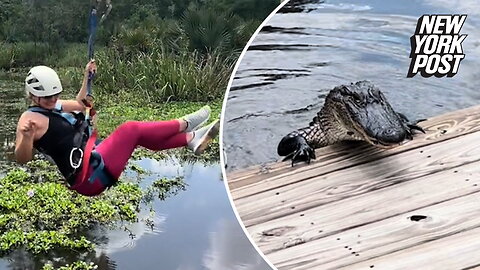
column 302, row 53
column 194, row 229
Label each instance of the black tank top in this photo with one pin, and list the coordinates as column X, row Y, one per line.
column 59, row 140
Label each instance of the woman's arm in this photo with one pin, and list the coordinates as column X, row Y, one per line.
column 26, row 129
column 77, row 104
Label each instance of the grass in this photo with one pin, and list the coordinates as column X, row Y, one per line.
column 158, row 76
column 14, row 55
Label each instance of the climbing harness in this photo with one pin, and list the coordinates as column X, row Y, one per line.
column 66, row 149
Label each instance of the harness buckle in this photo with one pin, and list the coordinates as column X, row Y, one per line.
column 76, row 165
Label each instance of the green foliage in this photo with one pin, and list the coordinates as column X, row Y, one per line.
column 164, row 187
column 42, row 216
column 61, row 21
column 246, row 9
column 23, row 54
column 44, row 21
column 207, row 30
column 163, row 50
column 160, row 76
column 69, row 55
column 78, row 265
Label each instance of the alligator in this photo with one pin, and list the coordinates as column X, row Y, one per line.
column 358, row 112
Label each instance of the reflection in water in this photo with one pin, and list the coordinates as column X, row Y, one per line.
column 22, row 260
column 229, row 250
column 12, row 103
column 338, row 42
column 127, row 235
column 185, row 223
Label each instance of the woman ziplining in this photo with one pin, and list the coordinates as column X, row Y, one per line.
column 59, row 129
column 62, row 130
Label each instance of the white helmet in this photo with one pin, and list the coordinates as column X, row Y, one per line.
column 43, row 81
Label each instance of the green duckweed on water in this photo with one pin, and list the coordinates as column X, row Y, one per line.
column 78, row 265
column 164, row 187
column 41, row 215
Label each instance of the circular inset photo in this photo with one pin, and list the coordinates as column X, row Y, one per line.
column 351, row 135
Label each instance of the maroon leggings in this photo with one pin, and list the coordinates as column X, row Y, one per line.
column 117, row 148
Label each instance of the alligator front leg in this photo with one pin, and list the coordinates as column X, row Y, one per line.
column 294, row 146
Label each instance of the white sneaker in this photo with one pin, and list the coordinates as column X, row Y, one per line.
column 203, row 136
column 196, row 119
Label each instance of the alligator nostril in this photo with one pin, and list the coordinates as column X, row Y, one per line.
column 393, row 135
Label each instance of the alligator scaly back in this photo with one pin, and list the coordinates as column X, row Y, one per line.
column 351, row 112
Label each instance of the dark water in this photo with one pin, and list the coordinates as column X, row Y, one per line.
column 291, row 65
column 12, row 103
column 195, row 229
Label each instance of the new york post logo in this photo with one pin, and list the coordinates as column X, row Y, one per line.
column 437, row 45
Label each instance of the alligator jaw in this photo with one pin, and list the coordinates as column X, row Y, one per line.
column 374, row 141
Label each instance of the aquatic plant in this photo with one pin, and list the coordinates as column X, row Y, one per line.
column 39, row 214
column 78, row 265
column 165, row 187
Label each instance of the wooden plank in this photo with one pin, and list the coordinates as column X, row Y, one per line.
column 377, row 204
column 358, row 180
column 383, row 237
column 262, row 178
column 454, row 252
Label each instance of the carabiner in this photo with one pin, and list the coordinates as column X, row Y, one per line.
column 72, row 163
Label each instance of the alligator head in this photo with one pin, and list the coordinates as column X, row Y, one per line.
column 351, row 112
column 363, row 110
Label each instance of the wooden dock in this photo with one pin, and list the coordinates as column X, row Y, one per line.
column 416, row 206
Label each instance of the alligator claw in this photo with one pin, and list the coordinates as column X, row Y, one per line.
column 415, row 127
column 412, row 125
column 295, row 147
